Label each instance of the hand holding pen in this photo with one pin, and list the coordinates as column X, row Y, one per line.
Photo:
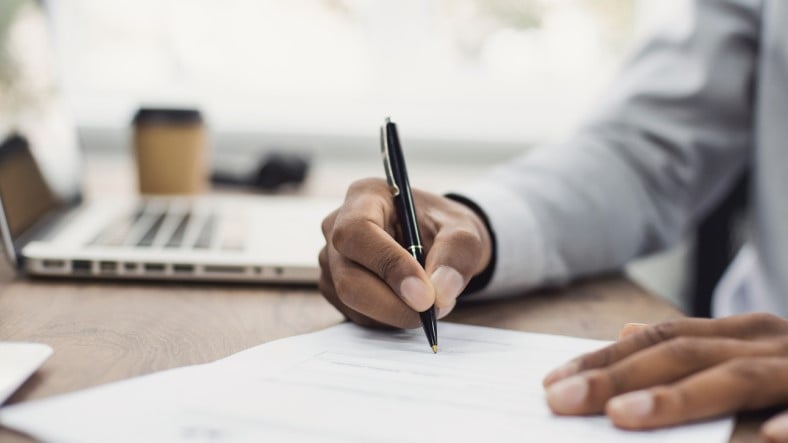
column 373, row 280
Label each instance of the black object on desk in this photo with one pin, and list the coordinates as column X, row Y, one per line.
column 397, row 176
column 275, row 170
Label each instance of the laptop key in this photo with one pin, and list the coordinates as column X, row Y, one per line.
column 176, row 239
column 150, row 234
column 116, row 233
column 205, row 238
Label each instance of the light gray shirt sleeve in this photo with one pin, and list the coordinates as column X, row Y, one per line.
column 666, row 141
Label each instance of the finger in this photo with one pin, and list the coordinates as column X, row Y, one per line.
column 461, row 249
column 443, row 311
column 649, row 336
column 741, row 384
column 363, row 292
column 742, row 326
column 359, row 235
column 326, row 288
column 452, row 260
column 631, row 328
column 776, row 429
column 588, row 392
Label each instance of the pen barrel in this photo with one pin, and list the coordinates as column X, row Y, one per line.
column 406, row 209
column 411, row 236
column 408, row 221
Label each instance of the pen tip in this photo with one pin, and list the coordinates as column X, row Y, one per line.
column 434, row 349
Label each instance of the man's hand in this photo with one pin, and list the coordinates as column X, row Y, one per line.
column 681, row 371
column 373, row 280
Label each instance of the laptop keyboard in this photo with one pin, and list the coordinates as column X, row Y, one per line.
column 161, row 225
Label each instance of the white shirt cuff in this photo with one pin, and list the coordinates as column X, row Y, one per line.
column 519, row 247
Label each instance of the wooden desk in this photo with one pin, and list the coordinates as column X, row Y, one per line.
column 103, row 332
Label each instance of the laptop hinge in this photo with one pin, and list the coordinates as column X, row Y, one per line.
column 46, row 225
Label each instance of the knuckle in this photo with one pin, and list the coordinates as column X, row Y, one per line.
column 764, row 318
column 343, row 287
column 604, row 383
column 465, row 237
column 584, row 361
column 322, row 259
column 766, row 323
column 387, row 265
column 752, row 376
column 344, row 233
column 364, row 185
column 661, row 332
column 682, row 349
column 755, row 378
column 467, row 241
column 459, row 247
column 601, row 358
column 674, row 398
column 748, row 370
column 328, row 224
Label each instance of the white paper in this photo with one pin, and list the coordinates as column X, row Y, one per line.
column 18, row 361
column 346, row 383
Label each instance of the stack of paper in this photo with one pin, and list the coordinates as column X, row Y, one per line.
column 346, row 384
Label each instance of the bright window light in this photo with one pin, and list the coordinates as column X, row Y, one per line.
column 506, row 70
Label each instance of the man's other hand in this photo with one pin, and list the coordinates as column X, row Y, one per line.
column 681, row 371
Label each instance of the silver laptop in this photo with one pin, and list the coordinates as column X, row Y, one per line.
column 47, row 229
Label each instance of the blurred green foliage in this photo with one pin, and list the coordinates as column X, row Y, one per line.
column 8, row 10
column 9, row 71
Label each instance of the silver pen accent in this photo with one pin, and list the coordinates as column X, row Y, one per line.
column 384, row 152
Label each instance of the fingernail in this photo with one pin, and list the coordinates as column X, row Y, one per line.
column 636, row 404
column 448, row 282
column 566, row 395
column 416, row 293
column 635, row 325
column 631, row 328
column 561, row 372
column 777, row 429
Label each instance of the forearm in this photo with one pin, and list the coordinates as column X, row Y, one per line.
column 665, row 143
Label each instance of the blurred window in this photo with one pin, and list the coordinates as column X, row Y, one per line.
column 510, row 70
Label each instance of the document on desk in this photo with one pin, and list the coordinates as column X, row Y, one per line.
column 350, row 384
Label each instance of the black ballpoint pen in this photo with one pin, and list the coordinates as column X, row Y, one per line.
column 397, row 176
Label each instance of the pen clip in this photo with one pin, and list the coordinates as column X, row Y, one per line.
column 384, row 151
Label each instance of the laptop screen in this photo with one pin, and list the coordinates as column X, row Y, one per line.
column 25, row 194
column 40, row 164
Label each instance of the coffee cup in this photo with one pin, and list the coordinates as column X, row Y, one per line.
column 170, row 147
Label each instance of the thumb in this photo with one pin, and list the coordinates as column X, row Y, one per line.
column 372, row 247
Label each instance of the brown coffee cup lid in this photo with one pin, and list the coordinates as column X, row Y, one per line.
column 175, row 116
